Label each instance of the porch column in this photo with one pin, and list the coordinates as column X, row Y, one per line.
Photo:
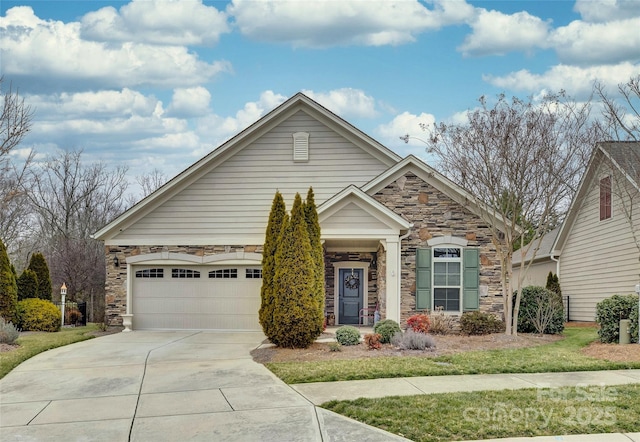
column 392, row 247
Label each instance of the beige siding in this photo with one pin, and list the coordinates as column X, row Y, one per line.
column 232, row 202
column 352, row 216
column 536, row 274
column 600, row 258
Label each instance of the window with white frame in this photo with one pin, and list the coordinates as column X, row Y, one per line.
column 447, row 278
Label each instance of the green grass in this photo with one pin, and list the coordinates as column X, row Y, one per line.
column 34, row 343
column 563, row 355
column 498, row 414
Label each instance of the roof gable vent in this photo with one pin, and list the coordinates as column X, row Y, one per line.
column 301, row 147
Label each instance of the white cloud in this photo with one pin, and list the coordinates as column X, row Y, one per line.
column 495, row 33
column 165, row 22
column 189, row 102
column 611, row 42
column 346, row 102
column 577, row 81
column 51, row 54
column 606, row 10
column 324, row 23
column 216, row 129
column 403, row 124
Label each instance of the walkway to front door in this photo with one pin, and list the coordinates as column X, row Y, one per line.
column 350, row 299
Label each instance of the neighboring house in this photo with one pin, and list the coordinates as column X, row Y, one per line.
column 544, row 261
column 597, row 242
column 396, row 234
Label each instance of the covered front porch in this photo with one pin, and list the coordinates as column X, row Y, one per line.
column 362, row 245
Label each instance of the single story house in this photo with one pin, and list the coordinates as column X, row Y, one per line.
column 188, row 256
column 599, row 241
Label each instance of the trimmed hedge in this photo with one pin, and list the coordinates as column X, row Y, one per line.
column 348, row 335
column 480, row 323
column 609, row 312
column 36, row 314
column 386, row 328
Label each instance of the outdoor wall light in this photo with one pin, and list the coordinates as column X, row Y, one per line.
column 116, row 262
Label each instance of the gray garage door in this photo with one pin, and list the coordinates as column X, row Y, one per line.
column 196, row 297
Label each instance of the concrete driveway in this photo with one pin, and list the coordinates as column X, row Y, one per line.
column 162, row 386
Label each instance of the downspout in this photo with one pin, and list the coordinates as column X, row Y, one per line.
column 398, row 270
column 557, row 261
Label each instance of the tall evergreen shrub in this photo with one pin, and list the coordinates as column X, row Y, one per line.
column 317, row 253
column 38, row 264
column 27, row 285
column 297, row 318
column 8, row 287
column 272, row 235
column 553, row 283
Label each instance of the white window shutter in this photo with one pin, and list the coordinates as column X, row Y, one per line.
column 301, row 146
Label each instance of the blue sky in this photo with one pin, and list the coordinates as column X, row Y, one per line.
column 158, row 83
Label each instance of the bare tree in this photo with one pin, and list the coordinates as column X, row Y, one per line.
column 621, row 113
column 73, row 200
column 15, row 123
column 521, row 160
column 151, row 181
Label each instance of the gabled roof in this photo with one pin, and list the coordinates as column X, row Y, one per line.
column 437, row 180
column 216, row 157
column 623, row 156
column 353, row 194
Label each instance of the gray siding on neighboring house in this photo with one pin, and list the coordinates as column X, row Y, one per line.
column 599, row 258
column 232, row 201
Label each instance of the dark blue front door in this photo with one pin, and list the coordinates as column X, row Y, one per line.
column 350, row 283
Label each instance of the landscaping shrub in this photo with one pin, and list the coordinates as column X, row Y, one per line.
column 38, row 264
column 298, row 313
column 480, row 323
column 72, row 316
column 609, row 312
column 419, row 323
column 541, row 311
column 348, row 335
column 440, row 323
column 38, row 315
column 386, row 328
column 335, row 346
column 553, row 283
column 8, row 332
column 27, row 285
column 411, row 340
column 8, row 286
column 372, row 341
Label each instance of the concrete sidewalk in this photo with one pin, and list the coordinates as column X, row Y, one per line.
column 321, row 392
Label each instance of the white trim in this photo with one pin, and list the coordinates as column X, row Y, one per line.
column 168, row 258
column 447, row 240
column 336, row 281
column 444, row 245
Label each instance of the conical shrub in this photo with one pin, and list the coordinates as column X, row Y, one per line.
column 38, row 264
column 8, row 287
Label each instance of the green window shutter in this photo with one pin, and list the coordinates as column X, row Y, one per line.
column 471, row 289
column 423, row 279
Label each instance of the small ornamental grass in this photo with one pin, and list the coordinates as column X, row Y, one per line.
column 386, row 328
column 411, row 340
column 8, row 332
column 348, row 335
column 440, row 323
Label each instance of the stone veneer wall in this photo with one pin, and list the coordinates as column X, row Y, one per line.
column 116, row 283
column 329, row 276
column 434, row 214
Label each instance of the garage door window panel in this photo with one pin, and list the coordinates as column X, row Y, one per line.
column 150, row 273
column 185, row 273
column 253, row 273
column 224, row 274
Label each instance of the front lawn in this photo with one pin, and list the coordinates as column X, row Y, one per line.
column 498, row 414
column 33, row 343
column 563, row 355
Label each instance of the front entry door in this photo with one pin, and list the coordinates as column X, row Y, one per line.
column 351, row 282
